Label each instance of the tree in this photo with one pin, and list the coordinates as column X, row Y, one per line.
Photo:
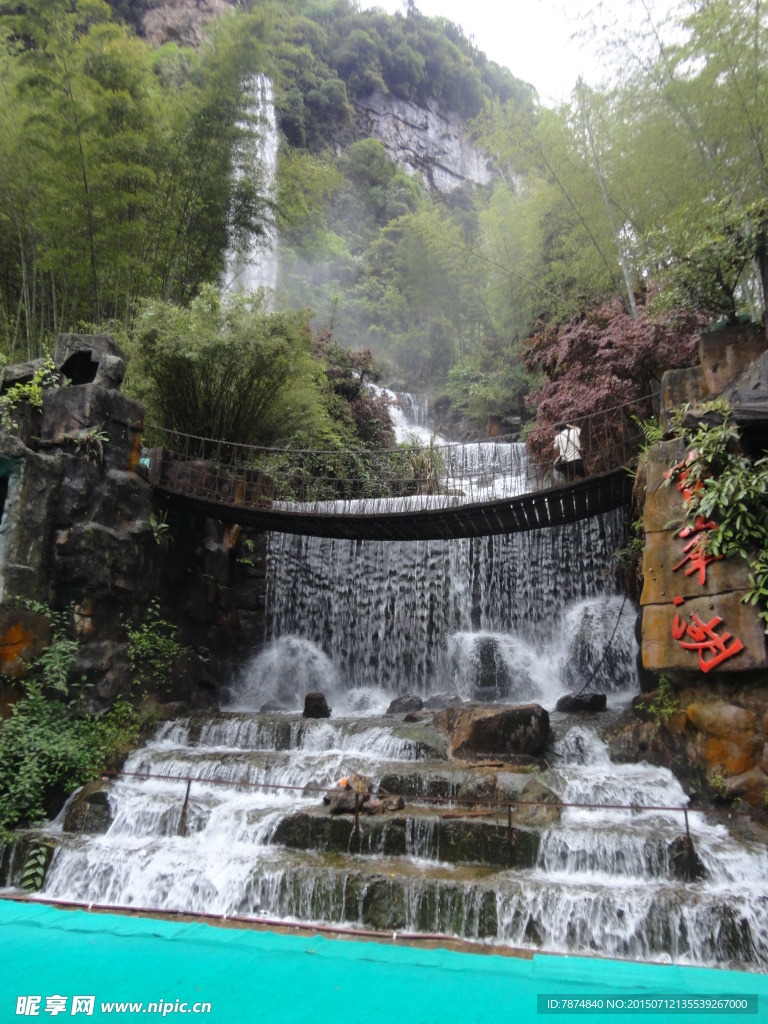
column 116, row 178
column 602, row 368
column 226, row 369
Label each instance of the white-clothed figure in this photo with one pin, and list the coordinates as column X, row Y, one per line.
column 569, row 460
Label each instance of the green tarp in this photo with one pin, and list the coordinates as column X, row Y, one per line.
column 247, row 975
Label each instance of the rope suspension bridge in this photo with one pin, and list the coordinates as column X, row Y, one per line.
column 411, row 492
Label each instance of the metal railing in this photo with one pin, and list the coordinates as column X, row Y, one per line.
column 408, row 478
column 439, row 801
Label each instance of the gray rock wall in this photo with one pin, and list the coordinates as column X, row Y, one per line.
column 423, row 140
column 80, row 533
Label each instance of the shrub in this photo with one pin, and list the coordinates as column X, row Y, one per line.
column 226, row 368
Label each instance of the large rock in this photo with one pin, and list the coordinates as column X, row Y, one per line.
column 90, row 359
column 684, row 862
column 586, row 701
column 495, row 730
column 28, row 511
column 730, row 737
column 539, row 805
column 402, row 705
column 24, row 635
column 90, row 811
column 440, row 701
column 316, row 706
column 724, row 356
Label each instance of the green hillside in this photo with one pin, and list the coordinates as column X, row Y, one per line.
column 117, row 187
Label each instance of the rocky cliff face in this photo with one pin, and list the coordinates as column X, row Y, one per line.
column 424, row 140
column 172, row 21
column 427, row 141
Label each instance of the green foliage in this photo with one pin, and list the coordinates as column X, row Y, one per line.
column 717, row 783
column 707, row 265
column 500, row 390
column 159, row 526
column 153, row 646
column 664, row 703
column 30, row 394
column 227, row 369
column 33, row 872
column 246, row 559
column 651, row 433
column 116, row 166
column 47, row 746
column 89, row 444
column 322, row 55
column 728, row 488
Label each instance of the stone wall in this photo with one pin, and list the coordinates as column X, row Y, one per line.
column 81, row 533
column 681, row 591
column 711, row 725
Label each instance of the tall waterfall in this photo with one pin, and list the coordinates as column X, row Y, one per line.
column 220, row 812
column 521, row 616
column 255, row 266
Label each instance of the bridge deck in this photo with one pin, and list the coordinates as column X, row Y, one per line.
column 552, row 507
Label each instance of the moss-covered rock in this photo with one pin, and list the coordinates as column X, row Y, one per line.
column 453, row 840
column 90, row 811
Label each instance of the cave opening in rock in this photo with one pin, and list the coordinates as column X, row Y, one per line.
column 81, row 367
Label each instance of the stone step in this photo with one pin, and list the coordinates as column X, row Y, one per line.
column 392, row 893
column 424, row 836
column 385, row 737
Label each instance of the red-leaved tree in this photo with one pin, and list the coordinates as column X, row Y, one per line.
column 600, row 369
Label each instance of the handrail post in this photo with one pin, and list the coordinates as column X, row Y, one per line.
column 182, row 831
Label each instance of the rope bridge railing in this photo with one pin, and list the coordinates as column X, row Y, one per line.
column 411, row 477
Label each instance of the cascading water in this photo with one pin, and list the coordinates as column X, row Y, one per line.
column 596, row 880
column 515, row 619
column 410, row 415
column 419, row 617
column 253, row 266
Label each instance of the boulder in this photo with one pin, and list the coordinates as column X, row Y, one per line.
column 495, row 729
column 543, row 808
column 730, row 737
column 405, row 703
column 751, row 787
column 352, row 783
column 316, row 706
column 587, row 701
column 343, row 801
column 480, row 786
column 272, row 705
column 90, row 811
column 441, row 701
column 684, row 862
column 418, row 716
column 387, row 804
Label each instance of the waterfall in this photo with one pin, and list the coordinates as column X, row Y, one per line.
column 422, row 616
column 255, row 266
column 593, row 880
column 515, row 618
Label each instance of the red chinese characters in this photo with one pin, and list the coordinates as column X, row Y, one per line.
column 704, row 639
column 696, row 635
